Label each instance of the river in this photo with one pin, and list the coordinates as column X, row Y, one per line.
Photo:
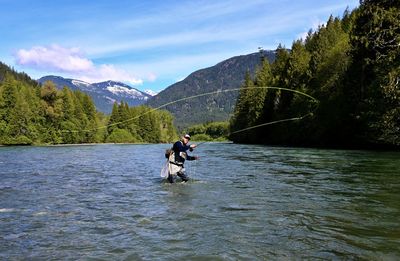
column 243, row 202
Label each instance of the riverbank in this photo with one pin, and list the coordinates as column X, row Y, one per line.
column 331, row 147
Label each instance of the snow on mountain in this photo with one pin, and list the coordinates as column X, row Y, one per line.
column 121, row 89
column 151, row 92
column 104, row 94
column 80, row 83
column 125, row 90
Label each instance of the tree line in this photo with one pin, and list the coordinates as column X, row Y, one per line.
column 140, row 124
column 351, row 65
column 211, row 131
column 41, row 114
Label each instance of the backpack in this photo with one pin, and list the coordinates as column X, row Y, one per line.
column 168, row 153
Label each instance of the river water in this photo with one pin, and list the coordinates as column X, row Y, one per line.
column 244, row 202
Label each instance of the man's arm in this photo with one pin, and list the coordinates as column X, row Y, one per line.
column 192, row 157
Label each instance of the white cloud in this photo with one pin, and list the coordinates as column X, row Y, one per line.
column 54, row 57
column 71, row 61
column 315, row 25
column 106, row 72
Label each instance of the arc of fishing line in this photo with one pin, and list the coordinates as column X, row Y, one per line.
column 264, row 124
column 205, row 94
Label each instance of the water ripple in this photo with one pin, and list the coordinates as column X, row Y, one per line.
column 243, row 202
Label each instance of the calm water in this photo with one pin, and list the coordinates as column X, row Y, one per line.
column 108, row 202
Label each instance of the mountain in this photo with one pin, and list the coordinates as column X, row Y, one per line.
column 104, row 94
column 228, row 74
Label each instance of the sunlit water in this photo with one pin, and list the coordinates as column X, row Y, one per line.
column 108, row 202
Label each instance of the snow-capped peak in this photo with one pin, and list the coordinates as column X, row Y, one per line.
column 151, row 92
column 80, row 83
column 125, row 90
column 104, row 94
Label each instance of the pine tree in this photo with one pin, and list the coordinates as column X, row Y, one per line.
column 375, row 71
column 240, row 118
column 263, row 78
column 114, row 118
column 329, row 62
column 91, row 116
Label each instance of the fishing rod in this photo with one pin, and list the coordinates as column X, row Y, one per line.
column 207, row 94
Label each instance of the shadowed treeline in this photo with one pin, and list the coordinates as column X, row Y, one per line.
column 351, row 65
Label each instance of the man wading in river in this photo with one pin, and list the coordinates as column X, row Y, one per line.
column 178, row 156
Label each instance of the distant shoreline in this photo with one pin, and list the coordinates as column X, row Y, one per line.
column 70, row 144
column 365, row 148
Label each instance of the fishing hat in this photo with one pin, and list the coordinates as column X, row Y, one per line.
column 187, row 136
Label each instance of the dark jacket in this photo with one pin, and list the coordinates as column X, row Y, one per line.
column 178, row 148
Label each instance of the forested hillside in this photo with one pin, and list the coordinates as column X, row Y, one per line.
column 351, row 66
column 227, row 74
column 40, row 114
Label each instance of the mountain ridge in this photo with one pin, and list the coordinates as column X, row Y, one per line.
column 104, row 94
column 227, row 74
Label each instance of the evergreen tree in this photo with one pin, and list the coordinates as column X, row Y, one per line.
column 278, row 71
column 296, row 76
column 167, row 129
column 263, row 78
column 374, row 73
column 114, row 118
column 256, row 101
column 240, row 118
column 329, row 62
column 52, row 112
column 68, row 125
column 91, row 116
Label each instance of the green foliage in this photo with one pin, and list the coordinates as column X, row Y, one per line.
column 213, row 131
column 249, row 107
column 375, row 41
column 142, row 123
column 201, row 137
column 42, row 114
column 351, row 65
column 121, row 136
column 240, row 116
column 34, row 114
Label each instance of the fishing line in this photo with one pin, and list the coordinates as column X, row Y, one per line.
column 206, row 94
column 272, row 122
column 263, row 124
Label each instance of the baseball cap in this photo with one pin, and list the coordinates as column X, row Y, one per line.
column 187, row 136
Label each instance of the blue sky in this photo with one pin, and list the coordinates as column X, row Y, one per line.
column 148, row 44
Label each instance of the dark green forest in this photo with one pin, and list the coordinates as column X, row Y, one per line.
column 351, row 65
column 41, row 114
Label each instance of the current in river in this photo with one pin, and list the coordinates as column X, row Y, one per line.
column 243, row 202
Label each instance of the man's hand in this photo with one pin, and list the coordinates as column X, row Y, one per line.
column 192, row 146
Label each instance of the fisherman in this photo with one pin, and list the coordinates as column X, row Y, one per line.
column 177, row 158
